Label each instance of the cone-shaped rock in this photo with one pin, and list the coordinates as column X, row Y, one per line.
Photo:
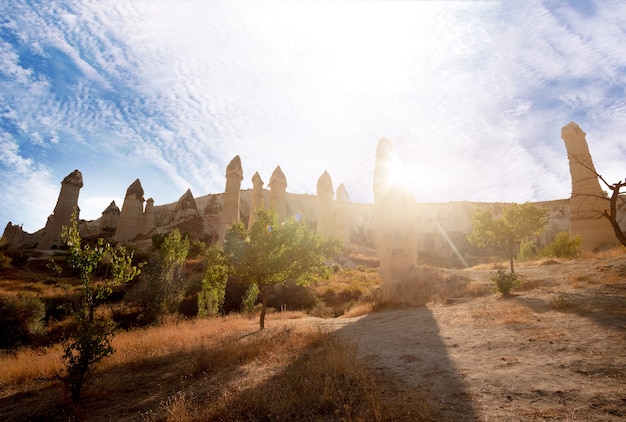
column 230, row 210
column 131, row 220
column 278, row 195
column 325, row 209
column 67, row 204
column 257, row 197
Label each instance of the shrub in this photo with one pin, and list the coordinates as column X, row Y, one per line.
column 527, row 251
column 20, row 319
column 563, row 246
column 504, row 281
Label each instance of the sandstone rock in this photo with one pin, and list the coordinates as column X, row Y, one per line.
column 110, row 217
column 131, row 221
column 587, row 201
column 257, row 197
column 230, row 210
column 342, row 215
column 66, row 205
column 325, row 206
column 278, row 187
column 148, row 223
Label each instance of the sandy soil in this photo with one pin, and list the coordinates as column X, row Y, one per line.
column 554, row 351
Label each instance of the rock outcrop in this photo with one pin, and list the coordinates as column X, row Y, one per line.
column 325, row 206
column 256, row 201
column 131, row 222
column 342, row 215
column 395, row 230
column 230, row 210
column 278, row 188
column 66, row 205
column 588, row 201
column 110, row 217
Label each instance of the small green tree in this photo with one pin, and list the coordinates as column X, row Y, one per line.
column 159, row 291
column 563, row 246
column 518, row 222
column 90, row 342
column 214, row 279
column 268, row 253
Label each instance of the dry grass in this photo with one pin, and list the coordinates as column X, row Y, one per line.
column 501, row 311
column 215, row 369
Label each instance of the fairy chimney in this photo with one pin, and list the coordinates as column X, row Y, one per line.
column 67, row 204
column 230, row 210
column 110, row 217
column 131, row 220
column 587, row 201
column 257, row 197
column 394, row 221
column 278, row 188
column 148, row 217
column 342, row 215
column 325, row 210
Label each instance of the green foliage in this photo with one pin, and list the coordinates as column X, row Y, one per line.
column 249, row 298
column 91, row 340
column 504, row 282
column 268, row 253
column 517, row 223
column 527, row 251
column 160, row 290
column 214, row 279
column 21, row 318
column 563, row 246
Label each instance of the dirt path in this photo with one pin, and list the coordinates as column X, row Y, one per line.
column 551, row 353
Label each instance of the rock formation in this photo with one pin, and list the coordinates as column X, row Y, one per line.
column 131, row 222
column 185, row 207
column 148, row 218
column 587, row 201
column 278, row 188
column 66, row 205
column 110, row 217
column 395, row 228
column 257, row 197
column 325, row 206
column 230, row 210
column 342, row 215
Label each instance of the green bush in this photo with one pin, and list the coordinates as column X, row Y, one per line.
column 528, row 251
column 562, row 246
column 504, row 281
column 21, row 318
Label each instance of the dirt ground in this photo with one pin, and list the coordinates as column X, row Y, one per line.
column 553, row 351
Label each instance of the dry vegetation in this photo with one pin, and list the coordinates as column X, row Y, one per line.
column 552, row 351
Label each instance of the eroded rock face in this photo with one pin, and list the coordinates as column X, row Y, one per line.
column 230, row 210
column 588, row 200
column 131, row 222
column 66, row 205
column 110, row 217
column 342, row 215
column 325, row 209
column 395, row 228
column 278, row 188
column 256, row 201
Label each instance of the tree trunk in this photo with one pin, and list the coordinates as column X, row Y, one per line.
column 263, row 307
column 612, row 215
column 511, row 259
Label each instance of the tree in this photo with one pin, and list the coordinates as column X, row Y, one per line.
column 90, row 342
column 268, row 253
column 517, row 223
column 159, row 291
column 214, row 279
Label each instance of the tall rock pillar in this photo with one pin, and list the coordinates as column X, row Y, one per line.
column 325, row 211
column 257, row 197
column 230, row 210
column 342, row 215
column 395, row 228
column 588, row 201
column 67, row 204
column 131, row 221
column 148, row 217
column 278, row 193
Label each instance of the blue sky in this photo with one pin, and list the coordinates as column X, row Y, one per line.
column 472, row 94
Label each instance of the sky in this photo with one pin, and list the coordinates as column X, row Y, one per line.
column 473, row 96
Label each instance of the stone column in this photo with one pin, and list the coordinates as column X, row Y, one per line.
column 278, row 188
column 257, row 197
column 395, row 228
column 588, row 201
column 131, row 220
column 230, row 210
column 148, row 217
column 342, row 215
column 110, row 217
column 325, row 211
column 67, row 204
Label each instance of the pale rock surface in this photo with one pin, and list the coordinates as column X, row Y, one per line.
column 278, row 188
column 256, row 201
column 110, row 217
column 588, row 200
column 395, row 229
column 67, row 204
column 185, row 206
column 230, row 210
column 148, row 219
column 342, row 215
column 131, row 221
column 325, row 208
